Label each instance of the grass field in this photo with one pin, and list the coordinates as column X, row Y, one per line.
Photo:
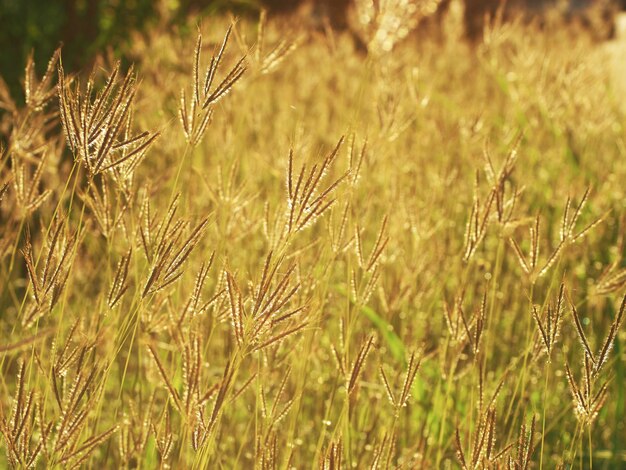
column 316, row 257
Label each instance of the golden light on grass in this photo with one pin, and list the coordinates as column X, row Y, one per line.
column 344, row 258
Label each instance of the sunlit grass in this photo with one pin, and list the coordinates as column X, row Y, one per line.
column 315, row 256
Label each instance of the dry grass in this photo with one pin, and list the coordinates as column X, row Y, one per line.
column 315, row 257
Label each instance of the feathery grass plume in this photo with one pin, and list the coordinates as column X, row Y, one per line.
column 530, row 265
column 66, row 441
column 225, row 191
column 184, row 387
column 234, row 204
column 549, row 328
column 454, row 318
column 82, row 452
column 363, row 297
column 167, row 251
column 135, row 429
column 222, row 392
column 567, row 236
column 612, row 277
column 496, row 31
column 97, row 128
column 192, row 366
column 38, row 93
column 236, row 308
column 306, row 200
column 27, row 182
column 385, row 380
column 108, row 209
column 505, row 203
column 478, row 322
column 48, row 282
column 409, row 378
column 358, row 245
column 266, row 452
column 195, row 306
column 481, row 390
column 503, row 193
column 163, row 436
column 525, row 447
column 463, row 329
column 191, row 404
column 173, row 393
column 332, row 459
column 568, row 224
column 355, row 160
column 18, row 433
column 477, row 223
column 392, row 119
column 587, row 402
column 603, row 354
column 261, row 59
column 30, row 130
column 483, row 452
column 581, row 335
column 357, row 365
column 65, row 357
column 119, row 286
column 274, row 414
column 196, row 116
column 255, row 319
column 364, row 282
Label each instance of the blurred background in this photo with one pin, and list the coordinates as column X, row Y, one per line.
column 86, row 28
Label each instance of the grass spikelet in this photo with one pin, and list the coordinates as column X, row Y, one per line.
column 357, row 365
column 525, row 447
column 119, row 285
column 482, row 450
column 236, row 308
column 175, row 397
column 550, row 328
column 95, row 127
column 49, row 283
column 307, row 201
column 163, row 436
column 581, row 335
column 333, row 459
column 411, row 372
column 477, row 223
column 196, row 116
column 168, row 251
column 390, row 396
column 608, row 342
column 27, row 182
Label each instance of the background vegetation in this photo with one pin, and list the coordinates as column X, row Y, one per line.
column 88, row 27
column 313, row 255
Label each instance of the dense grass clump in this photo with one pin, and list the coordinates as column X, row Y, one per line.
column 262, row 249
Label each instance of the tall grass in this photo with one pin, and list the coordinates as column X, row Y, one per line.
column 256, row 249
